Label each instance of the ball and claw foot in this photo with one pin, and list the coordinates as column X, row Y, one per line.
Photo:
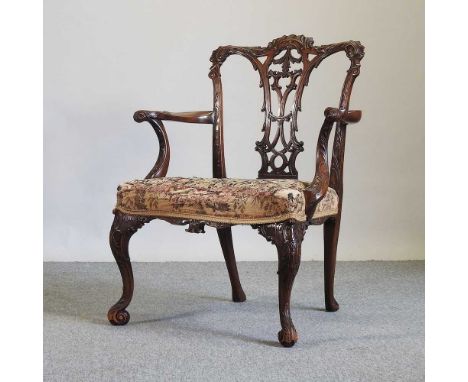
column 118, row 317
column 287, row 337
column 332, row 306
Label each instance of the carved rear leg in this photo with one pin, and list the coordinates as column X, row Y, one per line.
column 123, row 227
column 288, row 238
column 225, row 238
column 331, row 231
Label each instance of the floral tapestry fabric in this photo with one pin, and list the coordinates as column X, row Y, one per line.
column 237, row 201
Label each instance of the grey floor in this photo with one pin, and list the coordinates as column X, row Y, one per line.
column 184, row 327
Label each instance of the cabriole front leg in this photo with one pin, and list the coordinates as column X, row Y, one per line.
column 123, row 227
column 288, row 239
column 289, row 259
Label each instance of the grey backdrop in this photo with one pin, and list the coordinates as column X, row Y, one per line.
column 105, row 59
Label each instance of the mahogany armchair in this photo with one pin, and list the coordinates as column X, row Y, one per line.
column 276, row 203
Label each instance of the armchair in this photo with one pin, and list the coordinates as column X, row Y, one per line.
column 277, row 204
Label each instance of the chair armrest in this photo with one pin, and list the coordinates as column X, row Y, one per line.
column 337, row 115
column 155, row 118
column 203, row 117
column 319, row 186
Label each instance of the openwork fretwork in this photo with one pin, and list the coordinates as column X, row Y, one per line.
column 284, row 66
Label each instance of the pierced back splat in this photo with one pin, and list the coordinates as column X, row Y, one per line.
column 284, row 67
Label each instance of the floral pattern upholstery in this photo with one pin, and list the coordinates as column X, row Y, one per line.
column 236, row 201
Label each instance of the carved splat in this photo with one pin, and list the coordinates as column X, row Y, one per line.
column 284, row 67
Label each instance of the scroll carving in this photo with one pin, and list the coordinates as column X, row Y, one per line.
column 296, row 57
column 162, row 163
column 123, row 227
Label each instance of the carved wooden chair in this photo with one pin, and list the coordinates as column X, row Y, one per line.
column 276, row 203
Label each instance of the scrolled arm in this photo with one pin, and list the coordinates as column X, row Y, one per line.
column 162, row 163
column 155, row 118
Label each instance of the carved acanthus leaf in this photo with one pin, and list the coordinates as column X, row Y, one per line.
column 284, row 233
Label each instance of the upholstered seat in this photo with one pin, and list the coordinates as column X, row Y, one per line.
column 237, row 201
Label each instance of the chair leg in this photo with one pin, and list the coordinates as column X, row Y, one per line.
column 331, row 231
column 288, row 238
column 225, row 238
column 123, row 227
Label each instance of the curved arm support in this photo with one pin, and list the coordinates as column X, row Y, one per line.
column 319, row 186
column 162, row 163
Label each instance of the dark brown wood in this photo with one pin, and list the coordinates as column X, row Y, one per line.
column 331, row 231
column 225, row 238
column 155, row 118
column 288, row 238
column 203, row 117
column 162, row 163
column 331, row 228
column 285, row 52
column 123, row 227
column 319, row 186
column 350, row 116
column 284, row 67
